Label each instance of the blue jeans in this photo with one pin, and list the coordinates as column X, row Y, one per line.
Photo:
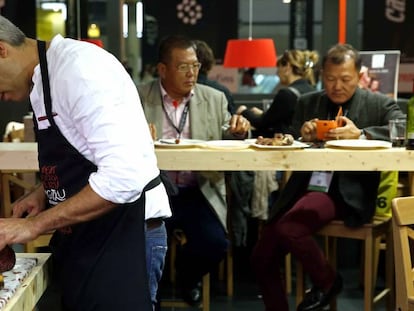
column 156, row 249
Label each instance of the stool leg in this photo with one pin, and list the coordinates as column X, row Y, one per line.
column 221, row 270
column 206, row 292
column 300, row 283
column 368, row 273
column 230, row 281
column 173, row 255
column 330, row 251
column 288, row 273
column 389, row 270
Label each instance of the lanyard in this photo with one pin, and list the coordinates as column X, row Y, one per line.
column 183, row 118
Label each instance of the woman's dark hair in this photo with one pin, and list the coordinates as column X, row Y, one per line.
column 205, row 56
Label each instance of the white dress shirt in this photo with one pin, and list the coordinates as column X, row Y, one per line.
column 98, row 110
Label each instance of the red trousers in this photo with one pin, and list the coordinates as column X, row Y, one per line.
column 293, row 233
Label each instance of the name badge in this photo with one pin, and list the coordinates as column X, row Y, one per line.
column 320, row 181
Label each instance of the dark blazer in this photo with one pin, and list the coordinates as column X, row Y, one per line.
column 278, row 118
column 357, row 191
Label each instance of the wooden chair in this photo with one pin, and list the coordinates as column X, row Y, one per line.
column 226, row 272
column 402, row 224
column 15, row 184
column 178, row 238
column 179, row 303
column 225, row 269
column 371, row 234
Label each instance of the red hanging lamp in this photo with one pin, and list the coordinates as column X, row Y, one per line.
column 250, row 53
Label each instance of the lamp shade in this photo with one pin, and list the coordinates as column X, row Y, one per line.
column 250, row 53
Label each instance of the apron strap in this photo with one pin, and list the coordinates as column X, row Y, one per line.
column 153, row 183
column 41, row 46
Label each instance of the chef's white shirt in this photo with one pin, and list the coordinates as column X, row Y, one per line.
column 99, row 112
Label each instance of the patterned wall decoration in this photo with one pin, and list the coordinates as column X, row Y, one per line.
column 214, row 21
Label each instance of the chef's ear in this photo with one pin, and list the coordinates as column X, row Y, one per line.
column 3, row 49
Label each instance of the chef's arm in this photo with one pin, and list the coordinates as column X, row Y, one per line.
column 84, row 206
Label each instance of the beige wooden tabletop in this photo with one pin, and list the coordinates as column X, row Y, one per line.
column 23, row 156
column 33, row 286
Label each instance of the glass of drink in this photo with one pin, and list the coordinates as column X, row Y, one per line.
column 397, row 132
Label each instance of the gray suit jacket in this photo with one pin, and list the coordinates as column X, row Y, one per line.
column 356, row 190
column 209, row 120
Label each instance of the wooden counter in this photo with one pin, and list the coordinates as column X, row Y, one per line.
column 18, row 157
column 33, row 286
column 286, row 160
column 23, row 156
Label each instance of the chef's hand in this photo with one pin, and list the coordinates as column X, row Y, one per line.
column 239, row 125
column 30, row 204
column 17, row 230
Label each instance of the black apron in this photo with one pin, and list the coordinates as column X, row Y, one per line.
column 100, row 264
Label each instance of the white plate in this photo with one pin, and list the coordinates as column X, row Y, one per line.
column 184, row 143
column 250, row 140
column 226, row 144
column 296, row 145
column 358, row 143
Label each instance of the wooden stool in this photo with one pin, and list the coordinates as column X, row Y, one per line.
column 402, row 223
column 15, row 184
column 371, row 234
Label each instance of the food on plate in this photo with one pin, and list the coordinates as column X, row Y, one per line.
column 7, row 259
column 277, row 140
column 7, row 262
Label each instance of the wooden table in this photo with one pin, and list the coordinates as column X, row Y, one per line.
column 23, row 156
column 32, row 288
column 286, row 160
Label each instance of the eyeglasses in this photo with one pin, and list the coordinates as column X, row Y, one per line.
column 188, row 67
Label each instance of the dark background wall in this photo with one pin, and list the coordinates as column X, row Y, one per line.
column 389, row 25
column 215, row 21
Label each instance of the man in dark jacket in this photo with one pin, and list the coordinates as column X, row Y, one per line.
column 310, row 200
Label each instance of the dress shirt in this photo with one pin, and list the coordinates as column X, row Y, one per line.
column 97, row 109
column 173, row 114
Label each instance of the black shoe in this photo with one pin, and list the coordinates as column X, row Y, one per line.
column 316, row 299
column 192, row 295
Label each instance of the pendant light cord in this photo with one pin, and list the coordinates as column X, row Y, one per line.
column 250, row 18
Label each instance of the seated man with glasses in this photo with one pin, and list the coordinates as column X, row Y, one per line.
column 180, row 108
